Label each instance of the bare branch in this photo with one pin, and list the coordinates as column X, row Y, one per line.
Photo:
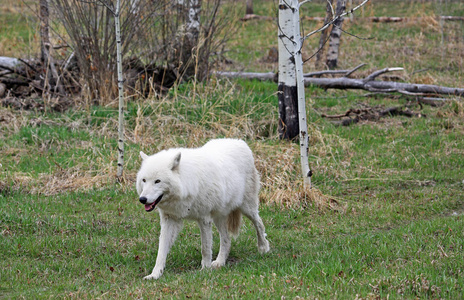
column 354, row 69
column 380, row 72
column 329, row 3
column 335, row 19
column 354, row 35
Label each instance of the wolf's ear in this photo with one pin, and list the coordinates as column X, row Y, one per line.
column 143, row 155
column 175, row 163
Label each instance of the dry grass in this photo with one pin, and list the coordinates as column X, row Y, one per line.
column 169, row 124
column 280, row 173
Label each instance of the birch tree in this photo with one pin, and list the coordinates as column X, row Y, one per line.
column 291, row 75
column 323, row 37
column 287, row 90
column 249, row 7
column 189, row 35
column 335, row 35
column 291, row 78
column 120, row 92
column 116, row 12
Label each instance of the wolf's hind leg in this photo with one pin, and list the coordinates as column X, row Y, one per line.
column 263, row 244
column 225, row 243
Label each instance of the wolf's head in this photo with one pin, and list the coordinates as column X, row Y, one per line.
column 158, row 177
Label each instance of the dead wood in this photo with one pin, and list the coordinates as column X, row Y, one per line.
column 36, row 103
column 9, row 63
column 21, row 79
column 367, row 113
column 249, row 17
column 368, row 83
column 371, row 85
column 247, row 75
column 13, row 81
column 2, row 89
column 273, row 76
column 386, row 19
column 391, row 19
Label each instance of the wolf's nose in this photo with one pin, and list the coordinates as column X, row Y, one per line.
column 143, row 200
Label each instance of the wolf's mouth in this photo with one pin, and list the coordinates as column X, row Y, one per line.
column 151, row 206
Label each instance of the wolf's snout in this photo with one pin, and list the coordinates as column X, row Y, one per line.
column 143, row 200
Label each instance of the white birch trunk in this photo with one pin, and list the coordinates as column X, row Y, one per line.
column 121, row 93
column 193, row 20
column 186, row 41
column 249, row 7
column 285, row 44
column 288, row 107
column 335, row 35
column 291, row 73
column 304, row 143
column 323, row 37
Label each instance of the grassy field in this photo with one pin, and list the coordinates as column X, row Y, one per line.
column 390, row 226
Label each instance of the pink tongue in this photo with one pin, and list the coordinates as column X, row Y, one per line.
column 148, row 206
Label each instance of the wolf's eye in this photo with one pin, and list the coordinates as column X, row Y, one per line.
column 143, row 180
column 157, row 181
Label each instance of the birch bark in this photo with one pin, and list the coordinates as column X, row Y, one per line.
column 303, row 126
column 120, row 92
column 287, row 91
column 334, row 42
column 249, row 7
column 187, row 43
column 323, row 37
column 290, row 45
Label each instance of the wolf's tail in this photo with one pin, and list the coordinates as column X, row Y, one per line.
column 234, row 221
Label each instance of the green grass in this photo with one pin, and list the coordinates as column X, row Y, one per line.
column 394, row 230
column 397, row 232
column 87, row 245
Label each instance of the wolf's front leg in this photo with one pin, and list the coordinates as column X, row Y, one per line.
column 206, row 242
column 170, row 228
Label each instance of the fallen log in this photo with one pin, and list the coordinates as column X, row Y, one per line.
column 249, row 17
column 392, row 19
column 2, row 89
column 247, row 75
column 9, row 63
column 368, row 83
column 274, row 76
column 382, row 86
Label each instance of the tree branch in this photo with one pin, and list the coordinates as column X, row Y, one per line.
column 335, row 19
column 380, row 72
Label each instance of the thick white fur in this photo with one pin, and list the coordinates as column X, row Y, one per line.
column 213, row 183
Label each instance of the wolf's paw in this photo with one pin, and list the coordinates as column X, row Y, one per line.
column 217, row 264
column 264, row 248
column 153, row 276
column 205, row 264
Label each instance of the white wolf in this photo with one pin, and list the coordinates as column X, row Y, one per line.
column 215, row 183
